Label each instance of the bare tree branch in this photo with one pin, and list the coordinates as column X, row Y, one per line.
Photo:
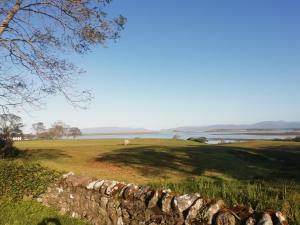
column 35, row 36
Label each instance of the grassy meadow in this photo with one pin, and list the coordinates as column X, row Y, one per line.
column 152, row 160
column 260, row 174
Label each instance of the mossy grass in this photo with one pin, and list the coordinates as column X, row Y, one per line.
column 21, row 182
column 32, row 213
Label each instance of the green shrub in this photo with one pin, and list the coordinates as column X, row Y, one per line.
column 7, row 150
column 198, row 139
column 19, row 179
column 296, row 139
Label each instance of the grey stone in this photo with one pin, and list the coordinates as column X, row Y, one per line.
column 111, row 187
column 154, row 199
column 129, row 191
column 183, row 202
column 250, row 221
column 193, row 211
column 213, row 209
column 103, row 202
column 98, row 184
column 265, row 220
column 281, row 219
column 166, row 202
column 104, row 186
column 91, row 185
column 225, row 218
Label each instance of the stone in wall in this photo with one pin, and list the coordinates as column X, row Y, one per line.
column 104, row 202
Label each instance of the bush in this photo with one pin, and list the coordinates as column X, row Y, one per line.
column 19, row 179
column 198, row 139
column 7, row 149
column 296, row 139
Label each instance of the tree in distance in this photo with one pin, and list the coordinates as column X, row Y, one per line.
column 39, row 128
column 58, row 130
column 74, row 132
column 198, row 139
column 10, row 127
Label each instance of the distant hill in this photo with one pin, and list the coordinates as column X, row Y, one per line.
column 274, row 125
column 277, row 125
column 113, row 130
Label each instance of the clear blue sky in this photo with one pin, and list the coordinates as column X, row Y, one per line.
column 193, row 62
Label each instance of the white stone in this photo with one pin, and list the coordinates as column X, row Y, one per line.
column 213, row 209
column 110, row 188
column 265, row 220
column 281, row 218
column 68, row 174
column 126, row 142
column 120, row 221
column 91, row 185
column 192, row 213
column 185, row 201
column 250, row 221
column 75, row 215
column 60, row 190
column 98, row 184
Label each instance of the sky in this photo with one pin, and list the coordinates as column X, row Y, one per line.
column 190, row 63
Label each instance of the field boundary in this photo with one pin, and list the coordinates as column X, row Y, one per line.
column 112, row 202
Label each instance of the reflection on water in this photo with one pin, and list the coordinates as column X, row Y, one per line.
column 213, row 137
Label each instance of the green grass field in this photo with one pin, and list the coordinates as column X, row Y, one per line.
column 150, row 160
column 261, row 174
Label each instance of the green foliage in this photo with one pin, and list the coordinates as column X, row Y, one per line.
column 7, row 149
column 260, row 195
column 19, row 179
column 31, row 212
column 296, row 139
column 198, row 139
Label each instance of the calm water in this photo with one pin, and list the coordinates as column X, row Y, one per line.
column 213, row 137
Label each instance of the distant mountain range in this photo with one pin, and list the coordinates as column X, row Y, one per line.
column 113, row 130
column 273, row 125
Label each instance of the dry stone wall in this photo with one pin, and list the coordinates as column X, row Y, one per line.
column 104, row 202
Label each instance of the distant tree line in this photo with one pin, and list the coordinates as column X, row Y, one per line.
column 57, row 130
column 11, row 129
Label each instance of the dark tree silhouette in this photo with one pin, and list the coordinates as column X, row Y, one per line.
column 10, row 127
